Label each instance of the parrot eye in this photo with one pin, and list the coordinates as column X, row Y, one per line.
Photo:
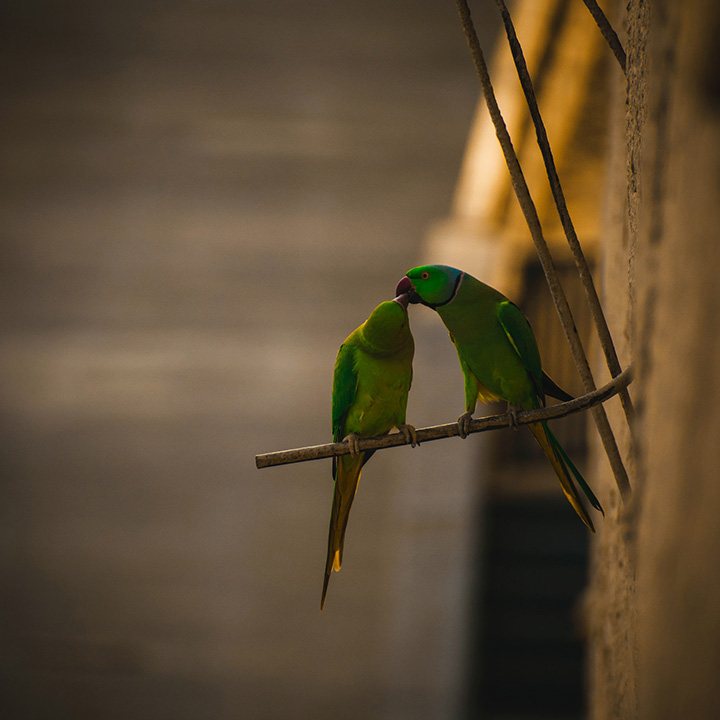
column 425, row 275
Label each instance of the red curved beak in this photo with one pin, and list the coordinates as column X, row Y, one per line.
column 404, row 286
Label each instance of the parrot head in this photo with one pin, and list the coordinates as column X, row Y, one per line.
column 431, row 285
column 387, row 329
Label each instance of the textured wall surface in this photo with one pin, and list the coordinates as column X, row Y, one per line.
column 653, row 603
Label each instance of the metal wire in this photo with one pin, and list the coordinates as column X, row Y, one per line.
column 606, row 342
column 522, row 192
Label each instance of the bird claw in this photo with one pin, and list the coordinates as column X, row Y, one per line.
column 464, row 424
column 409, row 433
column 512, row 417
column 352, row 441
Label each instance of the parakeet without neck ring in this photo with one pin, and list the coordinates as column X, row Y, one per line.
column 373, row 374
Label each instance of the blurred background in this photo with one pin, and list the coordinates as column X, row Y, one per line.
column 198, row 203
column 200, row 200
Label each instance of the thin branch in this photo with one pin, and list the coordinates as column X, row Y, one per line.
column 529, row 211
column 440, row 432
column 608, row 33
column 581, row 264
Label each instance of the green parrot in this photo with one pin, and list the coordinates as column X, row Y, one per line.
column 372, row 378
column 499, row 358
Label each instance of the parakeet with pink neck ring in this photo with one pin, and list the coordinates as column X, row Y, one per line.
column 499, row 359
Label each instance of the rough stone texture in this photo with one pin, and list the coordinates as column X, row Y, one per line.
column 679, row 532
column 654, row 600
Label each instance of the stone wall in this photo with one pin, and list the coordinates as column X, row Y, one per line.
column 654, row 601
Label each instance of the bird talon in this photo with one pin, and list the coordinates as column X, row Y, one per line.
column 352, row 441
column 464, row 424
column 409, row 433
column 512, row 418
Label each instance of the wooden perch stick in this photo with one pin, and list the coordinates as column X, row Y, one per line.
column 439, row 432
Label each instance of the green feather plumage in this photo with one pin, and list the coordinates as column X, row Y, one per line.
column 499, row 357
column 372, row 378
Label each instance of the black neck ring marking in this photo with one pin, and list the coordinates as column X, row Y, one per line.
column 454, row 293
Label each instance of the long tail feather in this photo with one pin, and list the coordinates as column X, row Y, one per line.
column 543, row 436
column 347, row 476
column 589, row 494
column 551, row 388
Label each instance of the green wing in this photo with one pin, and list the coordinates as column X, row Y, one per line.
column 344, row 387
column 518, row 330
column 345, row 381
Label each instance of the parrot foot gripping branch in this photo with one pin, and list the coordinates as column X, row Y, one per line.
column 440, row 432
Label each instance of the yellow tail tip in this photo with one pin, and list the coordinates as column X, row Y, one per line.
column 336, row 561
